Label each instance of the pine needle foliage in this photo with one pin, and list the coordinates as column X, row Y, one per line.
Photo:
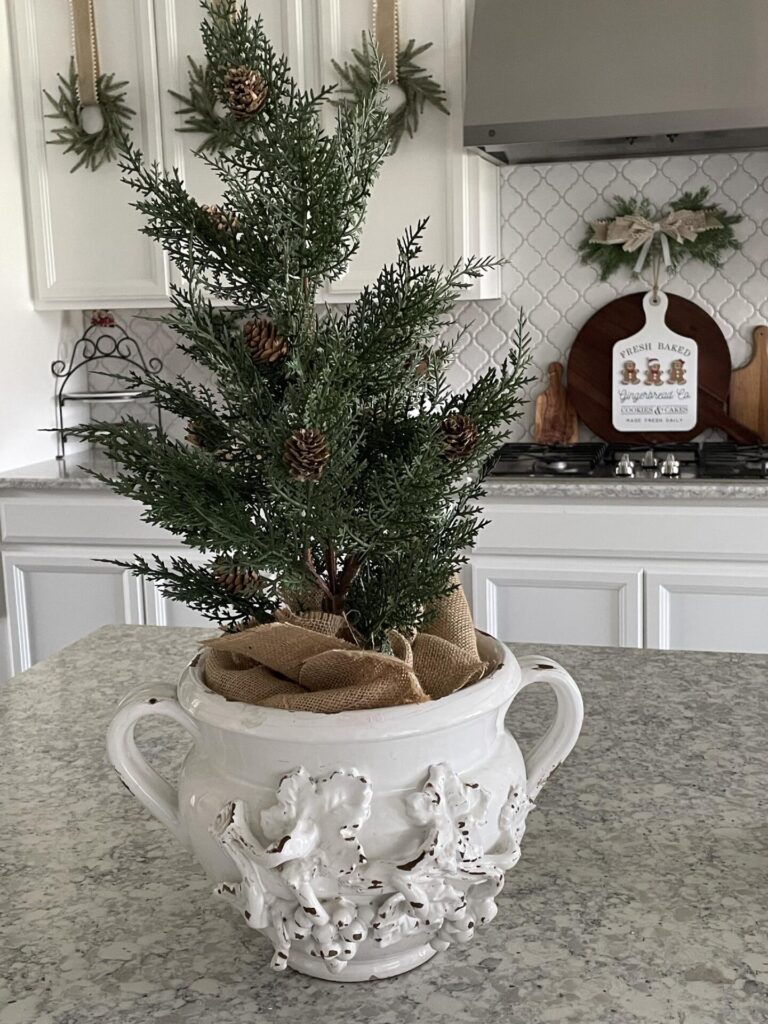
column 708, row 247
column 376, row 526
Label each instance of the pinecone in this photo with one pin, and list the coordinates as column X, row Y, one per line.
column 264, row 344
column 192, row 435
column 305, row 454
column 246, row 91
column 459, row 435
column 236, row 579
column 222, row 218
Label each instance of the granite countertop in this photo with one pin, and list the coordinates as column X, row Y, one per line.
column 641, row 894
column 611, row 488
column 72, row 473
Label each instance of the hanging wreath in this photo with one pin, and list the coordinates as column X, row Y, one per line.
column 689, row 228
column 200, row 111
column 418, row 87
column 92, row 148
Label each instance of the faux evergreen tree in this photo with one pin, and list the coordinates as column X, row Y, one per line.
column 329, row 460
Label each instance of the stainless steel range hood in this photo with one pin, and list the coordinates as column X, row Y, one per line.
column 581, row 79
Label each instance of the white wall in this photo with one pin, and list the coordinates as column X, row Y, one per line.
column 28, row 340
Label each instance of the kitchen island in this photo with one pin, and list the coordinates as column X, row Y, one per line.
column 641, row 894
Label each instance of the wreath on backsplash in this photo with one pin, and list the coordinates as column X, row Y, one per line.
column 688, row 228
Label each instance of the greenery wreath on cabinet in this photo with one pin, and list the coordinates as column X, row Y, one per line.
column 93, row 149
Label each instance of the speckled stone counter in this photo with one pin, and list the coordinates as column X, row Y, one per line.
column 641, row 896
column 72, row 473
column 613, row 489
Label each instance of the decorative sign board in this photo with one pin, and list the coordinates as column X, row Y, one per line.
column 655, row 375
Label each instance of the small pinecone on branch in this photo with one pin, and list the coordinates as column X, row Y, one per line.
column 222, row 218
column 192, row 435
column 237, row 580
column 459, row 435
column 305, row 454
column 246, row 91
column 264, row 344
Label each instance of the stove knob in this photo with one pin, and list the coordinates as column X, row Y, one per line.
column 670, row 466
column 649, row 460
column 625, row 467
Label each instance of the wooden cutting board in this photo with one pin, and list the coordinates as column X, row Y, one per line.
column 749, row 387
column 590, row 369
column 555, row 420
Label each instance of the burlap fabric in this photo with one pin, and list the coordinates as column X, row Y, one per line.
column 307, row 661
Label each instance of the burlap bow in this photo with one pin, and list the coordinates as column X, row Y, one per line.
column 634, row 232
column 302, row 662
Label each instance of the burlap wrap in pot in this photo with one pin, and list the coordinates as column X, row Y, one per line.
column 303, row 662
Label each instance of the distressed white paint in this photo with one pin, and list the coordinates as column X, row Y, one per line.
column 360, row 843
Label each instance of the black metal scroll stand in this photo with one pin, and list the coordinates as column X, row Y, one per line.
column 101, row 340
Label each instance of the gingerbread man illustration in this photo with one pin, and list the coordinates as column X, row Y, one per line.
column 653, row 372
column 677, row 372
column 629, row 373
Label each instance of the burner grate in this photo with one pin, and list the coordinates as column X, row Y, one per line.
column 528, row 459
column 723, row 459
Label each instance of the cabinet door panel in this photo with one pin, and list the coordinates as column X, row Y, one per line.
column 708, row 608
column 86, row 248
column 55, row 599
column 287, row 23
column 162, row 611
column 566, row 601
column 432, row 174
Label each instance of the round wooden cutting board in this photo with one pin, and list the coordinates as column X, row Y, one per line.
column 590, row 369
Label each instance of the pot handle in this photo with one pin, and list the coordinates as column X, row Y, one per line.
column 559, row 740
column 149, row 788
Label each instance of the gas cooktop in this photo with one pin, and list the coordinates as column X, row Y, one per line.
column 711, row 460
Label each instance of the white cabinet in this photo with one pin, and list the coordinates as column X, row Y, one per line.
column 86, row 248
column 55, row 597
column 662, row 574
column 570, row 601
column 707, row 607
column 287, row 23
column 431, row 174
column 57, row 590
column 162, row 611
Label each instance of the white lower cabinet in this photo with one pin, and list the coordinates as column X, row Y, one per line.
column 162, row 611
column 665, row 574
column 567, row 601
column 55, row 598
column 707, row 607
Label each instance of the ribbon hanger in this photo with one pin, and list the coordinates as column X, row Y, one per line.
column 386, row 32
column 86, row 51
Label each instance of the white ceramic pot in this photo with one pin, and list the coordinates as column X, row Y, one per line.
column 360, row 843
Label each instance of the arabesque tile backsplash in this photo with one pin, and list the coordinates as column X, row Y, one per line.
column 544, row 209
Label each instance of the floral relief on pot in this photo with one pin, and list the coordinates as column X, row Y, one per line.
column 315, row 894
column 359, row 843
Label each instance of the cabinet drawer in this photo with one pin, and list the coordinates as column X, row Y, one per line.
column 78, row 520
